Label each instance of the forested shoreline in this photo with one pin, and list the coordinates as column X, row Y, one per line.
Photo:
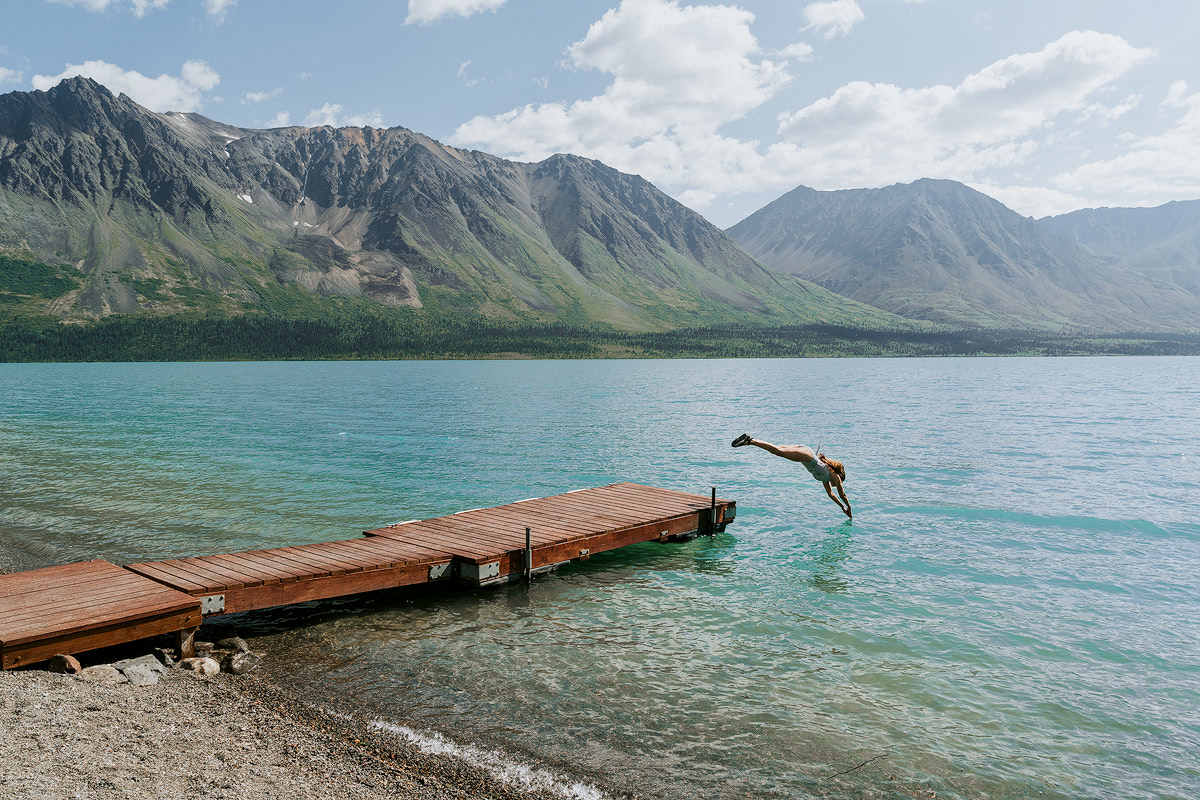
column 361, row 333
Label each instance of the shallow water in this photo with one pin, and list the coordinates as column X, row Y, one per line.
column 1012, row 612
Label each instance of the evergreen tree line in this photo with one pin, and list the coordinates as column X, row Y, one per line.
column 364, row 332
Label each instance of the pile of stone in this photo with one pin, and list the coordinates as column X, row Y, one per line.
column 230, row 655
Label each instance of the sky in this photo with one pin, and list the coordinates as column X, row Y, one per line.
column 1046, row 105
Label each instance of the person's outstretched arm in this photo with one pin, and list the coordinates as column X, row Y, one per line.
column 829, row 491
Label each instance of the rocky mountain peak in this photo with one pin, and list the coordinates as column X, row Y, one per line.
column 166, row 212
column 939, row 250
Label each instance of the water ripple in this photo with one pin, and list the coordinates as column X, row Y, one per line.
column 1011, row 614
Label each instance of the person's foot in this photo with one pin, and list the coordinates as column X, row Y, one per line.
column 742, row 440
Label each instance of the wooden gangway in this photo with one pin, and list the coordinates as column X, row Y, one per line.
column 79, row 607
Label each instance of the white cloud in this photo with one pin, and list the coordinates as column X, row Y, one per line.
column 466, row 78
column 870, row 133
column 1107, row 113
column 90, row 5
column 164, row 93
column 1176, row 95
column 140, row 7
column 259, row 97
column 678, row 73
column 1033, row 201
column 799, row 51
column 280, row 120
column 424, row 11
column 371, row 119
column 10, row 76
column 200, row 75
column 325, row 115
column 1151, row 167
column 832, row 17
column 217, row 9
column 331, row 114
column 696, row 198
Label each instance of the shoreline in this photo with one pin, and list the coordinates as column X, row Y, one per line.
column 222, row 737
column 14, row 558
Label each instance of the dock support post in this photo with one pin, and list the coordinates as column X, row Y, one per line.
column 528, row 556
column 185, row 643
column 712, row 514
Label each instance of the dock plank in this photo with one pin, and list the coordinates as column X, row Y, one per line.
column 513, row 523
column 56, row 605
column 206, row 572
column 79, row 607
column 462, row 536
column 324, row 553
column 317, row 565
column 410, row 552
column 489, row 528
column 266, row 567
column 170, row 574
column 442, row 536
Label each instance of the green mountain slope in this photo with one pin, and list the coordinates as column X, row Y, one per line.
column 169, row 213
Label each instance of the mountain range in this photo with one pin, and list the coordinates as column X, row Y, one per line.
column 108, row 208
column 1161, row 243
column 169, row 212
column 939, row 250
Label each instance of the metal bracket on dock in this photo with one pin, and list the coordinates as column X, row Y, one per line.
column 479, row 573
column 684, row 536
column 213, row 604
column 439, row 571
column 585, row 554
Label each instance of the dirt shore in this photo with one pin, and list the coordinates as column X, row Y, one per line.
column 220, row 737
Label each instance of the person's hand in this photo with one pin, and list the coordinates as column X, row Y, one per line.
column 846, row 511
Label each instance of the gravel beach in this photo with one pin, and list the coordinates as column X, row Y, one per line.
column 223, row 736
column 218, row 737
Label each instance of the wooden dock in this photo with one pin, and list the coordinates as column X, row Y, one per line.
column 79, row 607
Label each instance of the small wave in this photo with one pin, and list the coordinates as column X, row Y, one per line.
column 1075, row 522
column 498, row 765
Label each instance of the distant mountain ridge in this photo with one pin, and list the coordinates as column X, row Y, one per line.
column 1161, row 243
column 171, row 212
column 938, row 250
column 108, row 208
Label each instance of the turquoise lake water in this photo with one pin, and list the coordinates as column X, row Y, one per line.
column 1014, row 611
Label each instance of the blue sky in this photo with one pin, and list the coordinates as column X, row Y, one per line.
column 1048, row 106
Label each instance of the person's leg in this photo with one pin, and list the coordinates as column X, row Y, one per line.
column 800, row 453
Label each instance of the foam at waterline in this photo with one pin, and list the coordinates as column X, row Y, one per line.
column 499, row 766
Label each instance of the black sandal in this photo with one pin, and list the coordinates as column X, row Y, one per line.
column 742, row 440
